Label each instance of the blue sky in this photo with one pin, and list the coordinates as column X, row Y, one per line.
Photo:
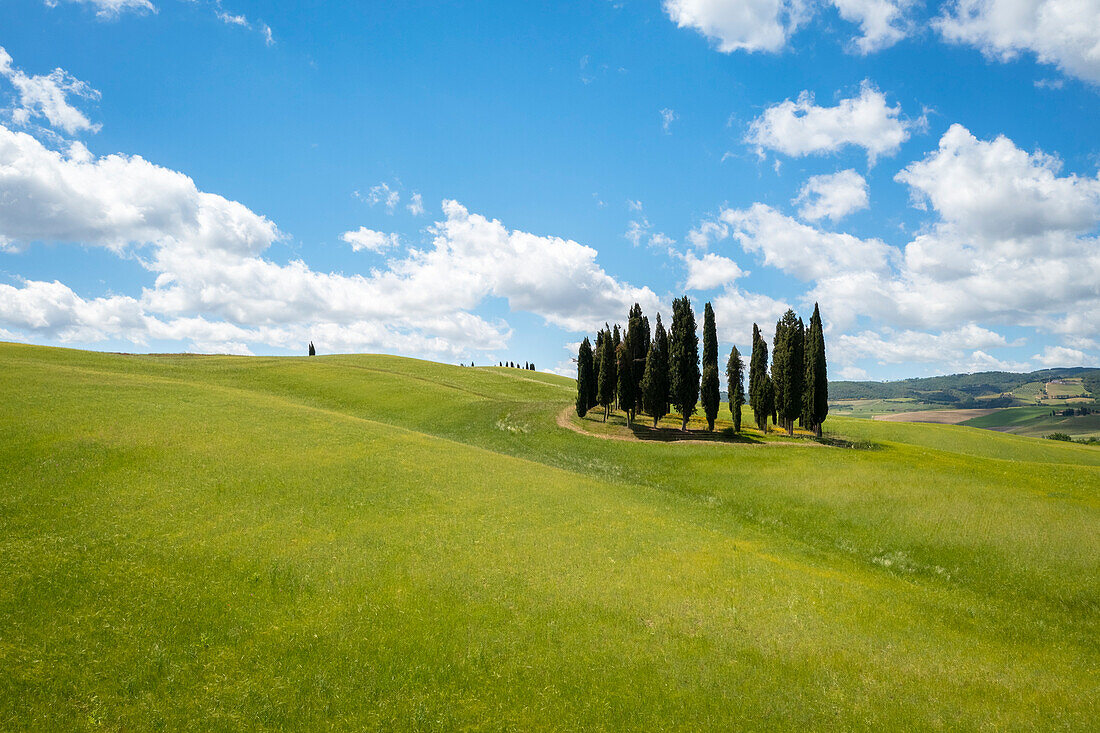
column 491, row 181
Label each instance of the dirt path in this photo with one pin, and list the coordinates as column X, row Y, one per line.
column 565, row 420
column 943, row 417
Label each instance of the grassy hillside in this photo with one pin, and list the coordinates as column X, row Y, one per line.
column 1038, row 422
column 953, row 389
column 217, row 543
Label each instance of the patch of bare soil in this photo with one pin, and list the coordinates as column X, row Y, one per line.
column 943, row 417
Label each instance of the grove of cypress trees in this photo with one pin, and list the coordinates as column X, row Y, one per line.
column 816, row 391
column 606, row 392
column 655, row 379
column 683, row 360
column 710, row 392
column 585, row 377
column 312, row 351
column 735, row 386
column 788, row 369
column 626, row 385
column 761, row 395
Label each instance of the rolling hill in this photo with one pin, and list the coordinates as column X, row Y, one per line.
column 217, row 543
column 960, row 390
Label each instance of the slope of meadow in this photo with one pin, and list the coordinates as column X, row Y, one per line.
column 373, row 542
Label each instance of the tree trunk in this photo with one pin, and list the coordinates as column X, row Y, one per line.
column 684, row 425
column 817, row 430
column 710, row 425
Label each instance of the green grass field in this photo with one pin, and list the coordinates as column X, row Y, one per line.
column 369, row 542
column 1038, row 422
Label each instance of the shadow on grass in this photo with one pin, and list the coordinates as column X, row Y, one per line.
column 671, row 435
column 834, row 442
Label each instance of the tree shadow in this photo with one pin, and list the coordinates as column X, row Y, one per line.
column 671, row 435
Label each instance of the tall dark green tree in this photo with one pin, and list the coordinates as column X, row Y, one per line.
column 683, row 360
column 606, row 392
column 626, row 384
column 735, row 386
column 710, row 391
column 655, row 379
column 788, row 369
column 761, row 394
column 815, row 404
column 637, row 335
column 585, row 377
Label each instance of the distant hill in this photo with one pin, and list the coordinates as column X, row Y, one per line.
column 962, row 388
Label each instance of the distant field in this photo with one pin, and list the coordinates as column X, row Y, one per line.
column 1038, row 422
column 868, row 408
column 371, row 542
column 943, row 417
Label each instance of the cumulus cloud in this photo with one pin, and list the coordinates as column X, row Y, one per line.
column 801, row 250
column 800, row 128
column 47, row 97
column 212, row 284
column 767, row 25
column 416, row 205
column 881, row 22
column 833, row 196
column 710, row 271
column 370, row 240
column 1061, row 356
column 1065, row 33
column 1013, row 241
column 750, row 25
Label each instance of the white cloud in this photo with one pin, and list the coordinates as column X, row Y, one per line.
column 889, row 346
column 370, row 240
column 1013, row 242
column 767, row 25
column 804, row 251
column 710, row 271
column 735, row 311
column 882, row 22
column 802, row 128
column 416, row 205
column 995, row 191
column 707, row 232
column 852, row 372
column 668, row 116
column 269, row 37
column 110, row 8
column 47, row 97
column 1065, row 33
column 1061, row 356
column 833, row 196
column 229, row 19
column 382, row 194
column 212, row 285
column 637, row 230
column 634, row 205
column 740, row 25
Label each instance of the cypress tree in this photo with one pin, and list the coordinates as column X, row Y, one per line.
column 779, row 366
column 816, row 402
column 606, row 393
column 683, row 360
column 585, row 377
column 735, row 386
column 761, row 395
column 312, row 351
column 788, row 369
column 626, row 386
column 710, row 390
column 655, row 379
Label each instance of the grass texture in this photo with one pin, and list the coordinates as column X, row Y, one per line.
column 370, row 542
